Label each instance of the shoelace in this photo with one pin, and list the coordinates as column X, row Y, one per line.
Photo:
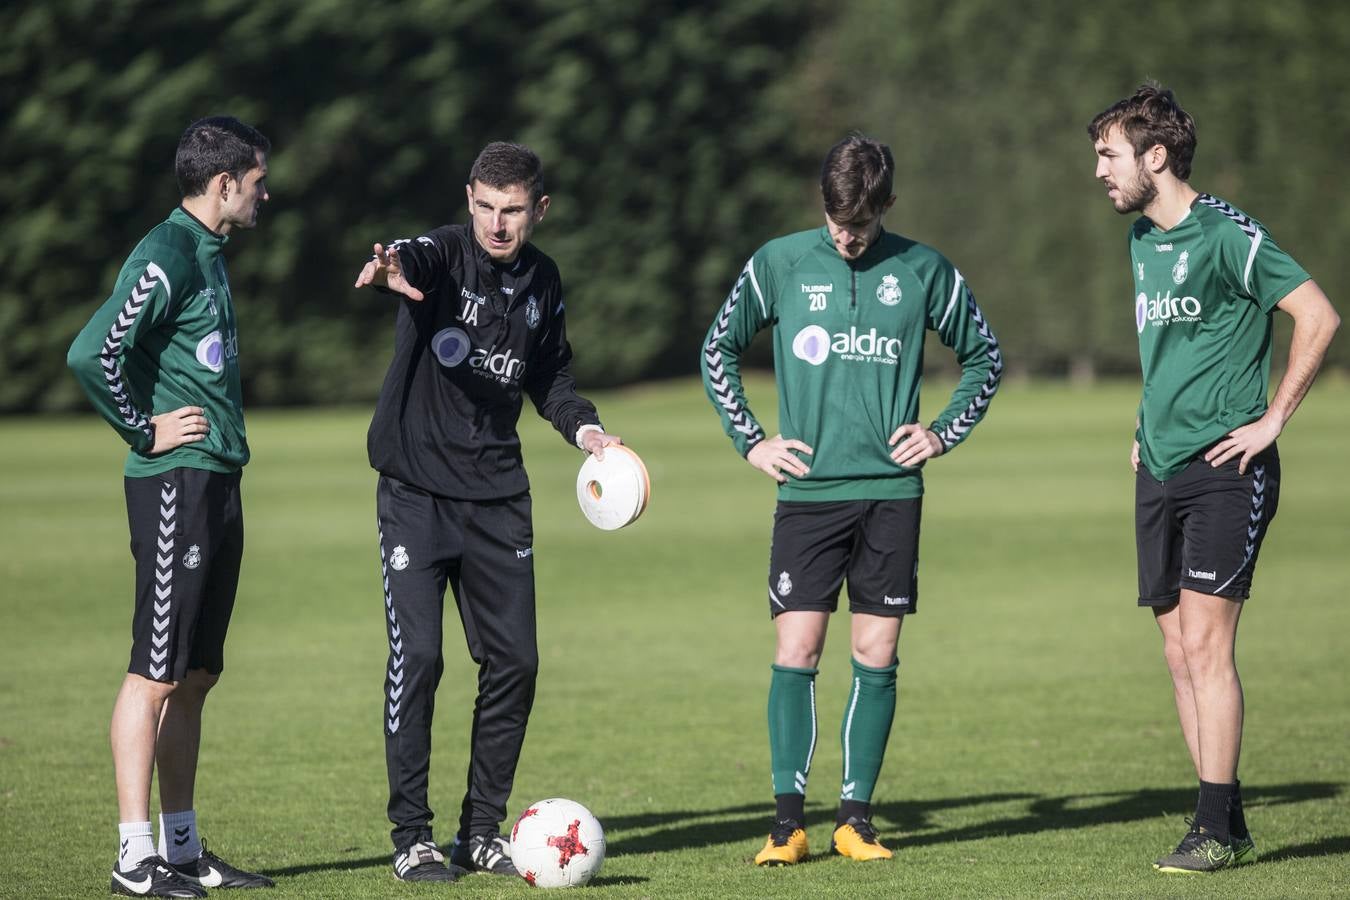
column 865, row 831
column 1193, row 839
column 488, row 854
column 783, row 830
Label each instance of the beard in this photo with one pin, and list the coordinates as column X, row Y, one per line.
column 1138, row 194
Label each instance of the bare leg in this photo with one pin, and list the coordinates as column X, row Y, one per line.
column 135, row 719
column 180, row 735
column 1169, row 622
column 1208, row 636
column 874, row 639
column 801, row 638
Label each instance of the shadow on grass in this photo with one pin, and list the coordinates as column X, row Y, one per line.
column 1332, row 846
column 337, row 865
column 734, row 824
column 698, row 828
column 372, row 862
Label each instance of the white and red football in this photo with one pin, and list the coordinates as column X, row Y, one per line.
column 557, row 843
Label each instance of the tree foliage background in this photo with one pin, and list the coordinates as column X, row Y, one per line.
column 676, row 140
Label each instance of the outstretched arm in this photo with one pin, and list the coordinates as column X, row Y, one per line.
column 1315, row 322
column 386, row 270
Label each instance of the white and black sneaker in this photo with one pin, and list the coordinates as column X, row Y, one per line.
column 424, row 862
column 484, row 853
column 153, row 877
column 211, row 871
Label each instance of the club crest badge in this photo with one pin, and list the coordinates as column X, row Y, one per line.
column 193, row 557
column 784, row 584
column 1180, row 270
column 532, row 312
column 888, row 292
column 398, row 560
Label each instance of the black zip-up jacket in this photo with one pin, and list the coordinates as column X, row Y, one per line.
column 446, row 418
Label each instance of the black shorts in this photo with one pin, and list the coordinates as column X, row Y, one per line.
column 1202, row 528
column 875, row 543
column 187, row 536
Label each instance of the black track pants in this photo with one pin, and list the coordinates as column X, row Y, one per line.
column 484, row 551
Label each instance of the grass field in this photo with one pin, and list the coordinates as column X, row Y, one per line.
column 1034, row 752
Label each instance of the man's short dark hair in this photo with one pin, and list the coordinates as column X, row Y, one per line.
column 1151, row 117
column 213, row 145
column 503, row 165
column 857, row 178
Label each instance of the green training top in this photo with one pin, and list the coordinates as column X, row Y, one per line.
column 848, row 344
column 165, row 339
column 1204, row 293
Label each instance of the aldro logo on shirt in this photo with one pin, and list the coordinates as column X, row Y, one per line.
column 1164, row 310
column 452, row 347
column 214, row 349
column 814, row 345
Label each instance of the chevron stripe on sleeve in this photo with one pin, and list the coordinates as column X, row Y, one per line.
column 1249, row 228
column 721, row 375
column 959, row 427
column 111, row 351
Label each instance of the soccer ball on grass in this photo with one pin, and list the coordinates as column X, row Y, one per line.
column 557, row 843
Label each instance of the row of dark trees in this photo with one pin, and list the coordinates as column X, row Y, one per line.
column 677, row 138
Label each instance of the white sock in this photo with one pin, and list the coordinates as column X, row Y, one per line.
column 178, row 838
column 134, row 844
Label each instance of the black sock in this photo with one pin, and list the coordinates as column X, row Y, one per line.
column 1211, row 812
column 790, row 806
column 1237, row 822
column 855, row 809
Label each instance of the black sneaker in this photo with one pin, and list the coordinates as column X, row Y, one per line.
column 1199, row 851
column 484, row 853
column 424, row 861
column 211, row 871
column 153, row 877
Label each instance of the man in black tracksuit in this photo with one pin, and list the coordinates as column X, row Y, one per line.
column 480, row 322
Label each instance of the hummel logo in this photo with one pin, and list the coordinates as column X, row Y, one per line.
column 136, row 887
column 1203, row 576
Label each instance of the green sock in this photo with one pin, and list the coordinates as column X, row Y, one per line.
column 867, row 726
column 792, row 727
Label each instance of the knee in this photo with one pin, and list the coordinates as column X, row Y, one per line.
column 518, row 667
column 875, row 654
column 419, row 657
column 797, row 655
column 138, row 686
column 198, row 681
column 1204, row 651
column 1175, row 655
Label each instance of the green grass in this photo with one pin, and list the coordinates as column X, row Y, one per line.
column 1034, row 752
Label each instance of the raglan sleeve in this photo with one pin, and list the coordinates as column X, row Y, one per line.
column 549, row 381
column 1255, row 266
column 148, row 287
column 960, row 324
column 747, row 309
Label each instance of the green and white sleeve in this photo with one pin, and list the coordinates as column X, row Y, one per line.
column 954, row 315
column 141, row 300
column 747, row 309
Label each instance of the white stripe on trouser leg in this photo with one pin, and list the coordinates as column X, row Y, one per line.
column 163, row 582
column 394, row 676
